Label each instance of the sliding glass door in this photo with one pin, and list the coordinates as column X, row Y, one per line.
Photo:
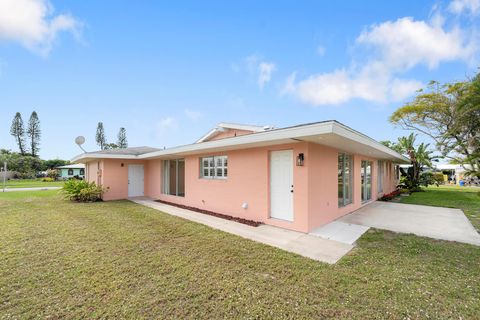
column 174, row 177
column 366, row 172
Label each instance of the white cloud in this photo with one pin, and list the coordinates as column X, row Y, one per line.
column 321, row 51
column 258, row 68
column 341, row 86
column 416, row 42
column 461, row 6
column 32, row 24
column 393, row 48
column 164, row 126
column 265, row 70
column 193, row 115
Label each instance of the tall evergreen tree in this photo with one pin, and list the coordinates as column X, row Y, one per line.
column 100, row 136
column 122, row 142
column 18, row 131
column 34, row 133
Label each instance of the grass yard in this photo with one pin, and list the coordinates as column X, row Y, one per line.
column 121, row 260
column 30, row 183
column 465, row 198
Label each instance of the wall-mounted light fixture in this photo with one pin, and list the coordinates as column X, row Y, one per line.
column 300, row 159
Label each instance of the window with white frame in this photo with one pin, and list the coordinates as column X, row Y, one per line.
column 345, row 166
column 380, row 175
column 215, row 167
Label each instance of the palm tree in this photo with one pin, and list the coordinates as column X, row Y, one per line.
column 420, row 158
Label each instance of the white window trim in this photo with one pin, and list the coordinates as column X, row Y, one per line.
column 166, row 177
column 215, row 167
column 380, row 175
column 347, row 201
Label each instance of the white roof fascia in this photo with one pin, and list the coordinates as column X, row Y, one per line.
column 103, row 156
column 271, row 135
column 224, row 125
column 237, row 126
column 354, row 135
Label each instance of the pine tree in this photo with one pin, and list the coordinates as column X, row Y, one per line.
column 100, row 136
column 122, row 142
column 34, row 133
column 18, row 131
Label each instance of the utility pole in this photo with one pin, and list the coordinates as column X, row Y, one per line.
column 4, row 174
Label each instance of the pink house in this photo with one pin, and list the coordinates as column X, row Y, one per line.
column 298, row 177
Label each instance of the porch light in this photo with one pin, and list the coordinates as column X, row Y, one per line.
column 300, row 159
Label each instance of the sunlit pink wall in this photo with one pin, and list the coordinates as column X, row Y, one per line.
column 323, row 184
column 248, row 180
column 315, row 184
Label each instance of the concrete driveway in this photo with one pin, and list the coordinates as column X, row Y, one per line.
column 433, row 222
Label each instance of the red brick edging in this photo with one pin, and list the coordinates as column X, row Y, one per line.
column 211, row 213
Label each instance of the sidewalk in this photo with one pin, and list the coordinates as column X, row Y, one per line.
column 30, row 189
column 306, row 245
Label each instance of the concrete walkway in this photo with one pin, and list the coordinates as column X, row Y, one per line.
column 30, row 189
column 426, row 221
column 306, row 245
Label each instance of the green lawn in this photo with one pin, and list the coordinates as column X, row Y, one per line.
column 465, row 198
column 30, row 183
column 121, row 260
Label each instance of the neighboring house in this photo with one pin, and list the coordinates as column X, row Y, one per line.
column 456, row 171
column 72, row 170
column 298, row 177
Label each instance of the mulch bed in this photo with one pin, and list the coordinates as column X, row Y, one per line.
column 215, row 214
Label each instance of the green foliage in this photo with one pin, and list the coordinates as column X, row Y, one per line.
column 110, row 146
column 34, row 133
column 450, row 115
column 53, row 163
column 439, row 177
column 48, row 179
column 17, row 130
column 428, row 179
column 420, row 158
column 100, row 136
column 25, row 165
column 82, row 191
column 122, row 138
column 52, row 174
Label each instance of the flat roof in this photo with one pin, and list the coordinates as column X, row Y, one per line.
column 330, row 133
column 72, row 166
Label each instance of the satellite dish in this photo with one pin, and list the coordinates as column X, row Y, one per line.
column 79, row 141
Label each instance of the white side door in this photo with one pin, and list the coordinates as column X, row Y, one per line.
column 281, row 185
column 135, row 180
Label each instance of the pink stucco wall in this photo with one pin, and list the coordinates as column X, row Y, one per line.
column 230, row 133
column 113, row 176
column 315, row 184
column 247, row 182
column 323, row 186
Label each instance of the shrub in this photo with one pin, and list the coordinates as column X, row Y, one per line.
column 82, row 191
column 52, row 173
column 439, row 177
column 47, row 179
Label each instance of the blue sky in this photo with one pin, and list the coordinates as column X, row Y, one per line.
column 168, row 72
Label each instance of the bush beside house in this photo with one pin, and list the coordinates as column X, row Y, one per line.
column 82, row 191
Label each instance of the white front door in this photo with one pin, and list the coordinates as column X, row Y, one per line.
column 135, row 180
column 281, row 185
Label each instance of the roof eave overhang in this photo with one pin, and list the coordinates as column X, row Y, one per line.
column 271, row 137
column 87, row 157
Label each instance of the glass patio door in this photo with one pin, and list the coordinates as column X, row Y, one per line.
column 366, row 173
